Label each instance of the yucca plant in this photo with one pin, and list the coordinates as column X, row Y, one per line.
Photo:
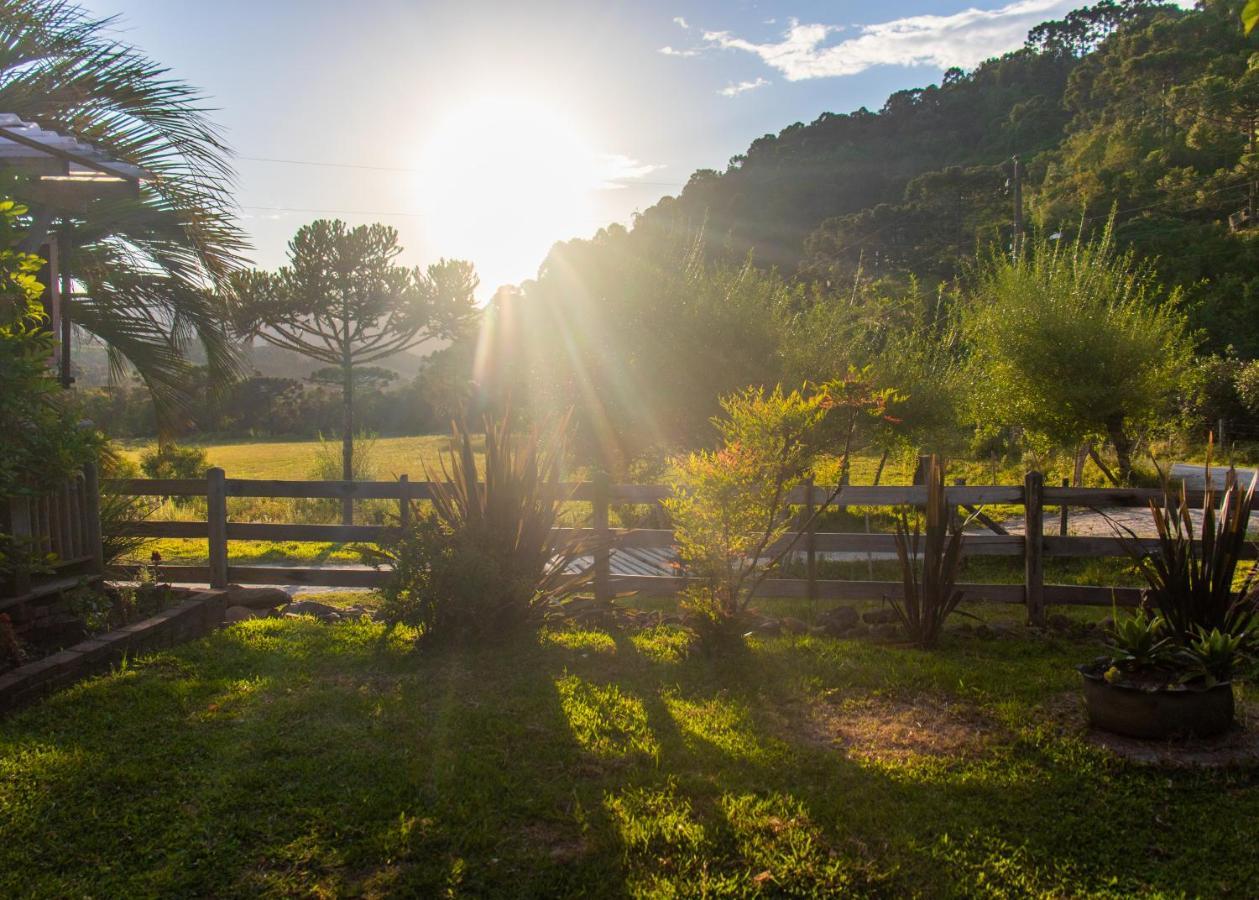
column 930, row 557
column 487, row 562
column 1192, row 584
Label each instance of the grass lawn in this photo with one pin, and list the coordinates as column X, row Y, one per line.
column 287, row 757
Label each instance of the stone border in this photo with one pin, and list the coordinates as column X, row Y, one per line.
column 197, row 616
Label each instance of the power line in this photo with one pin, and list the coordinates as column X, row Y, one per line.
column 627, row 181
column 333, row 212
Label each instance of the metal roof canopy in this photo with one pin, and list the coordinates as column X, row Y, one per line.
column 57, row 157
column 69, row 174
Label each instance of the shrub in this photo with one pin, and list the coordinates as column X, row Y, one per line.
column 731, row 507
column 1193, row 587
column 930, row 558
column 485, row 563
column 170, row 460
column 1075, row 341
column 327, row 467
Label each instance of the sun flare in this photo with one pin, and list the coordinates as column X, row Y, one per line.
column 503, row 178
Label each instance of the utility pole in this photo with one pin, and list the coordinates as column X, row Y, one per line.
column 1016, row 243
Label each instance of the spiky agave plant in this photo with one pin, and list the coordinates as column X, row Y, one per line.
column 1191, row 583
column 930, row 557
column 488, row 559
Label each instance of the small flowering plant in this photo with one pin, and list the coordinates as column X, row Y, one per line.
column 732, row 507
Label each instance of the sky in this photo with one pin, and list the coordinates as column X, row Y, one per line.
column 490, row 130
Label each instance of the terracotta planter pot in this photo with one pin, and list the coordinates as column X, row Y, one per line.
column 1156, row 714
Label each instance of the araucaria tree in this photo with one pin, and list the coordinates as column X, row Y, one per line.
column 342, row 301
column 1075, row 341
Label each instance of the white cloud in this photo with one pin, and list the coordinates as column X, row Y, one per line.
column 734, row 90
column 964, row 39
column 681, row 22
column 616, row 168
column 674, row 51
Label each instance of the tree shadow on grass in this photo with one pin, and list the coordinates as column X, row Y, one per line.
column 292, row 757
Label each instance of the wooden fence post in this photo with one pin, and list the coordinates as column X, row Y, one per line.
column 810, row 547
column 1063, row 512
column 92, row 517
column 21, row 533
column 404, row 502
column 216, row 518
column 1034, row 547
column 600, row 502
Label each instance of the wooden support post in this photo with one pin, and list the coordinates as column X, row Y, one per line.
column 921, row 470
column 1063, row 512
column 404, row 502
column 600, row 503
column 955, row 512
column 810, row 548
column 92, row 517
column 216, row 518
column 61, row 501
column 1034, row 547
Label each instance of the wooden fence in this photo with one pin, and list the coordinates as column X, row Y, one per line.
column 1033, row 548
column 60, row 531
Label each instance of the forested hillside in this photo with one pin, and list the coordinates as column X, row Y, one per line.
column 861, row 241
column 1143, row 108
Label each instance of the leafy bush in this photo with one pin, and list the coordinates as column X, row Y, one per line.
column 485, row 564
column 169, row 460
column 1075, row 341
column 732, row 508
column 41, row 439
column 930, row 558
column 327, row 467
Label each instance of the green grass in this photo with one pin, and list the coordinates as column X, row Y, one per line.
column 290, row 758
column 293, row 460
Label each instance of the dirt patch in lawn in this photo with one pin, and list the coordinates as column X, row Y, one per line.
column 553, row 840
column 883, row 728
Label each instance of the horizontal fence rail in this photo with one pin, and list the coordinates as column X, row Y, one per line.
column 1032, row 497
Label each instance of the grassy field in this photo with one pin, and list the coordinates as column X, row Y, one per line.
column 388, row 457
column 290, row 758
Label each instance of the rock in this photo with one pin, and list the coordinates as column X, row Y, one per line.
column 793, row 626
column 880, row 617
column 886, row 631
column 857, row 631
column 255, row 598
column 984, row 632
column 767, row 628
column 818, row 631
column 841, row 618
column 1062, row 624
column 240, row 614
column 319, row 610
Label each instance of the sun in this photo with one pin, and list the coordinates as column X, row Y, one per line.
column 502, row 179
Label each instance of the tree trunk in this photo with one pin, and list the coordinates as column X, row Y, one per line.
column 1123, row 447
column 347, row 434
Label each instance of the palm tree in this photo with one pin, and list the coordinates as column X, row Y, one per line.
column 148, row 267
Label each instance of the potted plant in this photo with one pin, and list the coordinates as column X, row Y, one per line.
column 1171, row 664
column 1152, row 686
